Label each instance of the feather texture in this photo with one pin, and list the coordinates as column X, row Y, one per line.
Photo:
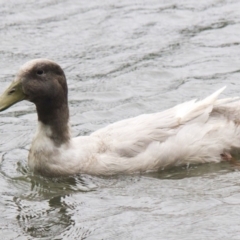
column 189, row 133
column 192, row 132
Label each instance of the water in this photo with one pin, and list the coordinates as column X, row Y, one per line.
column 121, row 59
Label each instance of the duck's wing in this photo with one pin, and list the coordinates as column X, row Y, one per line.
column 132, row 136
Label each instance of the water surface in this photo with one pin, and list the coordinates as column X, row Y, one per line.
column 121, row 59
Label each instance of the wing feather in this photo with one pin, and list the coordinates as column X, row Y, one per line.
column 128, row 138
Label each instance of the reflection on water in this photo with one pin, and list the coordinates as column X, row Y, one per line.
column 49, row 216
column 121, row 59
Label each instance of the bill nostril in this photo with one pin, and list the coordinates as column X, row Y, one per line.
column 12, row 91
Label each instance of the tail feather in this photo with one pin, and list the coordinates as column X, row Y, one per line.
column 190, row 110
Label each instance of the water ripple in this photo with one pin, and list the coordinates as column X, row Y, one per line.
column 121, row 59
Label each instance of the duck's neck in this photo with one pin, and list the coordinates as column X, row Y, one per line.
column 56, row 120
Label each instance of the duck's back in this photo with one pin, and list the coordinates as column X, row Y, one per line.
column 192, row 132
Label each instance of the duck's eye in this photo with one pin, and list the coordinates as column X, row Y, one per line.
column 40, row 72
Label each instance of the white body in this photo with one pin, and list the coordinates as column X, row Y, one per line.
column 189, row 133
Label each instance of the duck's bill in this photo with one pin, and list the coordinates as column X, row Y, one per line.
column 11, row 95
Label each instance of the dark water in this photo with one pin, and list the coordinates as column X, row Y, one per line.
column 121, row 59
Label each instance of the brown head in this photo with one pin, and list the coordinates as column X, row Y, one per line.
column 42, row 82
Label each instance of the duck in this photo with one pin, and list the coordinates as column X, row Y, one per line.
column 192, row 132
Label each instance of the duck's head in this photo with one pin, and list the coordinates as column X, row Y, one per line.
column 40, row 81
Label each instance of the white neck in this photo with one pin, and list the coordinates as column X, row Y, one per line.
column 44, row 154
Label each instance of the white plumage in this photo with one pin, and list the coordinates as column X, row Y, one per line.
column 190, row 133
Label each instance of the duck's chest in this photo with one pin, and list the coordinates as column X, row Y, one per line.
column 42, row 154
column 47, row 158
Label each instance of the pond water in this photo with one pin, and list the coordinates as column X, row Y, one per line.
column 121, row 59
